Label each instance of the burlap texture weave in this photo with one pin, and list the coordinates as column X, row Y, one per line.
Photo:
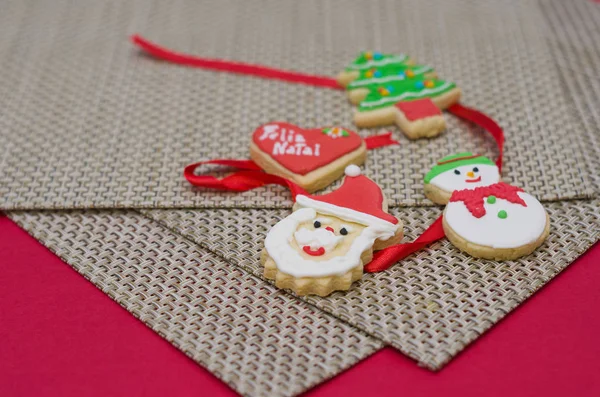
column 257, row 339
column 573, row 35
column 87, row 121
column 430, row 305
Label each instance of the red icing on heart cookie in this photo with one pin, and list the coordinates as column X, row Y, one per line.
column 302, row 151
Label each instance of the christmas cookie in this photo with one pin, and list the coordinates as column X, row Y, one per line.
column 419, row 118
column 323, row 245
column 312, row 158
column 457, row 172
column 376, row 82
column 368, row 63
column 498, row 222
column 377, row 108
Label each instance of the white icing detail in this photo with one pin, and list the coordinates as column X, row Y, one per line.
column 289, row 261
column 269, row 131
column 387, row 79
column 382, row 62
column 386, row 228
column 300, row 148
column 425, row 92
column 450, row 182
column 352, row 170
column 522, row 226
column 323, row 221
column 317, row 238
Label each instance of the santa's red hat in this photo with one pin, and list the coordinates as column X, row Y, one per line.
column 359, row 200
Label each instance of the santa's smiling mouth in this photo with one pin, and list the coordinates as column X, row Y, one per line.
column 318, row 252
column 473, row 180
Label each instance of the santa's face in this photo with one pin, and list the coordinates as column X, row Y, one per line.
column 467, row 177
column 325, row 237
column 311, row 244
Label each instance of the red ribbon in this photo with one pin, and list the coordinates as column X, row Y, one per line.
column 381, row 140
column 233, row 67
column 387, row 257
column 249, row 176
column 483, row 121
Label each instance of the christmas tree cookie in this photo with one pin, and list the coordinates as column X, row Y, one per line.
column 327, row 240
column 369, row 60
column 457, row 172
column 497, row 222
column 378, row 82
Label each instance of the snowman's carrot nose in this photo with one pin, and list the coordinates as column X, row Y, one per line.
column 470, row 174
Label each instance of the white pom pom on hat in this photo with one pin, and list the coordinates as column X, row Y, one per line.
column 352, row 170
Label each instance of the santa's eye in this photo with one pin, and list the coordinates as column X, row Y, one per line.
column 457, row 172
column 317, row 224
column 343, row 231
column 475, row 169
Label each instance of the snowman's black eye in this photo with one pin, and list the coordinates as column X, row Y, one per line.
column 457, row 172
column 343, row 231
column 475, row 169
column 317, row 224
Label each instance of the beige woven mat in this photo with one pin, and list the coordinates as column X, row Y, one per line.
column 257, row 339
column 432, row 304
column 87, row 121
column 574, row 37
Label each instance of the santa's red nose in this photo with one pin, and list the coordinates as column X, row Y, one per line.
column 330, row 229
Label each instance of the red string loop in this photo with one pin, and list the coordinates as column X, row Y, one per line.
column 249, row 176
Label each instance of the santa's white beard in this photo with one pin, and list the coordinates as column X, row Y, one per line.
column 317, row 238
column 289, row 260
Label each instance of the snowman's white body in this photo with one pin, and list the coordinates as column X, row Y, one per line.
column 522, row 225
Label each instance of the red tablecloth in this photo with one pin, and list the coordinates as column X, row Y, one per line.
column 60, row 336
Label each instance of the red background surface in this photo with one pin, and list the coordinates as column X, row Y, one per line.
column 60, row 336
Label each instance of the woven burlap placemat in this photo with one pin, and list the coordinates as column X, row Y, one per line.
column 254, row 337
column 430, row 305
column 573, row 35
column 88, row 121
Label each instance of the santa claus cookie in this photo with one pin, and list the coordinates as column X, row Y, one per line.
column 323, row 245
column 496, row 222
column 311, row 158
column 457, row 172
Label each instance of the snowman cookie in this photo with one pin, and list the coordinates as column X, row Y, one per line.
column 457, row 172
column 497, row 222
column 327, row 240
column 311, row 158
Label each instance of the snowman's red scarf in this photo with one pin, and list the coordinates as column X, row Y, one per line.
column 474, row 199
column 254, row 178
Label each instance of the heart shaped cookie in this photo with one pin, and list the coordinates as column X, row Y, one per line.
column 311, row 158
